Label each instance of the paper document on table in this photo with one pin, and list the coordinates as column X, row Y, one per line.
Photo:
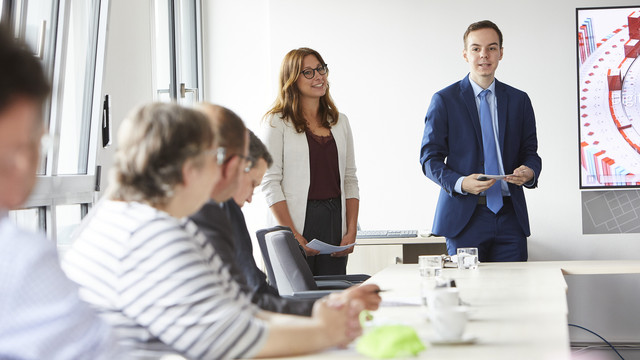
column 401, row 301
column 325, row 248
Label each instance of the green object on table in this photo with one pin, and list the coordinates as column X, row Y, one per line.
column 390, row 341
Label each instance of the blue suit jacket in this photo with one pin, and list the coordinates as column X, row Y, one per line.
column 452, row 147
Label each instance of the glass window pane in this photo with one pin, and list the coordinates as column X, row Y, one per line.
column 28, row 219
column 39, row 29
column 35, row 21
column 68, row 217
column 162, row 59
column 79, row 69
column 187, row 52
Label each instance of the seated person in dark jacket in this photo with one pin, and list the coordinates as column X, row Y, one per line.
column 261, row 160
column 231, row 239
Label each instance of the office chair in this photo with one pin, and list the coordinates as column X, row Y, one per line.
column 322, row 281
column 291, row 272
column 260, row 234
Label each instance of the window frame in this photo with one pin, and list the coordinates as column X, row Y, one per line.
column 177, row 88
column 51, row 189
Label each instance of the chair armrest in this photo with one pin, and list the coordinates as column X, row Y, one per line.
column 333, row 284
column 311, row 294
column 352, row 278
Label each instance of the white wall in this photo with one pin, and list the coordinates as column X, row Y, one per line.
column 386, row 59
column 127, row 73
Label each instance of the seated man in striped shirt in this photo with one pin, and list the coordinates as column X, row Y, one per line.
column 155, row 278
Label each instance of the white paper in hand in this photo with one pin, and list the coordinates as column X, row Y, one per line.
column 325, row 248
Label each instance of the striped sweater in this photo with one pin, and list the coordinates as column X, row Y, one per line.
column 155, row 278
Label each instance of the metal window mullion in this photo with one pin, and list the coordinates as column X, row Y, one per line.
column 66, row 189
column 42, row 219
column 97, row 78
column 58, row 84
column 173, row 80
column 49, row 65
column 19, row 18
column 199, row 52
column 88, row 105
column 51, row 223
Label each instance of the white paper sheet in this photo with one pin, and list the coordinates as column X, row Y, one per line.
column 325, row 248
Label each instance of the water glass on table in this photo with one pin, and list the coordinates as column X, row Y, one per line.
column 430, row 265
column 467, row 258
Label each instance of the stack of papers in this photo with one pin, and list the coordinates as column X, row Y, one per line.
column 325, row 248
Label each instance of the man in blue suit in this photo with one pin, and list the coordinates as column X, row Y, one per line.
column 470, row 133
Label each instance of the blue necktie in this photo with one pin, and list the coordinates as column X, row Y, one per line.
column 494, row 193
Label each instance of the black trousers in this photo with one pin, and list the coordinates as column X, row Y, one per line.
column 323, row 221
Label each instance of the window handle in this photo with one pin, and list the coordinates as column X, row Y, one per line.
column 184, row 91
column 106, row 121
column 41, row 36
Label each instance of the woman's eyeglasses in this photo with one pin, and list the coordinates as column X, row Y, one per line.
column 310, row 73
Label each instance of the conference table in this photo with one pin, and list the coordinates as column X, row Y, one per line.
column 516, row 310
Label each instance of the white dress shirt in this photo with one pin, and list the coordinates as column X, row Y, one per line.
column 41, row 315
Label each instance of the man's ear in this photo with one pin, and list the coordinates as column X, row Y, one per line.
column 230, row 168
column 188, row 170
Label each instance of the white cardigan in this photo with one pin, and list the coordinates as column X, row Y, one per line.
column 289, row 176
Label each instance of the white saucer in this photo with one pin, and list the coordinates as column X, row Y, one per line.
column 464, row 340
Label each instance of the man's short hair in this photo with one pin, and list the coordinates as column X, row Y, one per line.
column 484, row 24
column 257, row 150
column 21, row 73
column 229, row 129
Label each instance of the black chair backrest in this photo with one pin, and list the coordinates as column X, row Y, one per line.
column 260, row 234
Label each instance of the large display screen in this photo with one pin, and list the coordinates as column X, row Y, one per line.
column 608, row 43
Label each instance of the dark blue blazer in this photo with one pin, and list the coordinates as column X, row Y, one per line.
column 452, row 147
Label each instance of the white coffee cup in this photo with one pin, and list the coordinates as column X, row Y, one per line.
column 443, row 297
column 449, row 322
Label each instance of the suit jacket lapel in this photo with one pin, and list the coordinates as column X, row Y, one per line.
column 466, row 92
column 502, row 98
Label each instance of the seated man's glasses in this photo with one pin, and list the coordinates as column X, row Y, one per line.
column 221, row 159
column 249, row 161
column 310, row 73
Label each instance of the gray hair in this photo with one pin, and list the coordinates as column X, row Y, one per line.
column 154, row 142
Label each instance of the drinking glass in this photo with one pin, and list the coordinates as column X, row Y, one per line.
column 430, row 265
column 467, row 258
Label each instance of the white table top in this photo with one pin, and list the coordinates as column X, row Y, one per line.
column 517, row 311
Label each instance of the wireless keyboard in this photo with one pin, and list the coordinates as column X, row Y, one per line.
column 386, row 234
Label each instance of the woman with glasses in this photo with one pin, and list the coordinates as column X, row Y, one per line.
column 312, row 186
column 154, row 277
